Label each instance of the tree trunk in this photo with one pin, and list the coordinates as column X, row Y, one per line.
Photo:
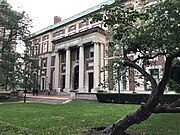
column 143, row 113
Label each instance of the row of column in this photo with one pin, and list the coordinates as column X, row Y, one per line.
column 98, row 64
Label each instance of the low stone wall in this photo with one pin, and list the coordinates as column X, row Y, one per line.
column 83, row 96
column 8, row 94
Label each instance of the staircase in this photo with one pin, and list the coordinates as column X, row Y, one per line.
column 48, row 99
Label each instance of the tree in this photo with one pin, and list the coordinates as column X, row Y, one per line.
column 31, row 67
column 147, row 34
column 174, row 83
column 13, row 26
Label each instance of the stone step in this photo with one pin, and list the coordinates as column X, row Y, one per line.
column 46, row 99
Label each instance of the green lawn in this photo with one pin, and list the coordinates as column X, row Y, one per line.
column 75, row 117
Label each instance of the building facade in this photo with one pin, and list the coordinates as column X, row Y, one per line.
column 72, row 54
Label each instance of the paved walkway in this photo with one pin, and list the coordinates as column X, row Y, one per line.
column 51, row 99
column 49, row 96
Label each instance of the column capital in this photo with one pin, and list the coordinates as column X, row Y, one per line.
column 98, row 42
column 67, row 48
column 81, row 45
column 95, row 42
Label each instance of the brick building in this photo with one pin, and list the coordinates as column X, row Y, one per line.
column 72, row 53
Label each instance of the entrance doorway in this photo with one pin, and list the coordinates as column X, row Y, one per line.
column 43, row 84
column 76, row 78
column 90, row 81
column 63, row 82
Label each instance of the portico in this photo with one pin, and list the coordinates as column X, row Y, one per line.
column 80, row 57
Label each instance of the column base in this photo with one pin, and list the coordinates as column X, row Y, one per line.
column 81, row 90
column 73, row 94
column 95, row 90
column 67, row 90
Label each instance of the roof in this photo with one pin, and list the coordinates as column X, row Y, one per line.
column 79, row 15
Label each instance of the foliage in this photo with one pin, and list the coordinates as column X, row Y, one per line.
column 31, row 69
column 174, row 83
column 13, row 26
column 174, row 86
column 146, row 34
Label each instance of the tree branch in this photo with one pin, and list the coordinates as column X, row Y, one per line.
column 129, row 63
column 175, row 104
column 166, row 74
column 166, row 110
column 147, row 57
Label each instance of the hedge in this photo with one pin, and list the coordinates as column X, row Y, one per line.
column 132, row 98
column 8, row 95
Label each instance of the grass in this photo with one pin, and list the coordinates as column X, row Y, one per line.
column 76, row 117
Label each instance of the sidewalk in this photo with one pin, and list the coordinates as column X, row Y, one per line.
column 51, row 99
column 48, row 96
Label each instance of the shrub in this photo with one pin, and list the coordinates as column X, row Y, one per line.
column 132, row 98
column 174, row 86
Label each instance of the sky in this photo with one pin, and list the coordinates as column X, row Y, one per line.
column 43, row 11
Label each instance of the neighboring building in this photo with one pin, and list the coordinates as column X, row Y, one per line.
column 72, row 53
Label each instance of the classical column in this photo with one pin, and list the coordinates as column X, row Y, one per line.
column 57, row 73
column 68, row 71
column 121, row 82
column 81, row 68
column 106, row 64
column 102, row 61
column 96, row 67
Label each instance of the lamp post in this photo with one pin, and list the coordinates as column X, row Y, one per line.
column 118, row 79
column 34, row 83
column 25, row 91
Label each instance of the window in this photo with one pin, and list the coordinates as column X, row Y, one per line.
column 38, row 40
column 36, row 49
column 55, row 34
column 32, row 51
column 45, row 47
column 83, row 23
column 45, row 37
column 72, row 28
column 63, row 57
column 91, row 52
column 59, row 32
column 154, row 72
column 77, row 54
column 44, row 62
column 53, row 60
